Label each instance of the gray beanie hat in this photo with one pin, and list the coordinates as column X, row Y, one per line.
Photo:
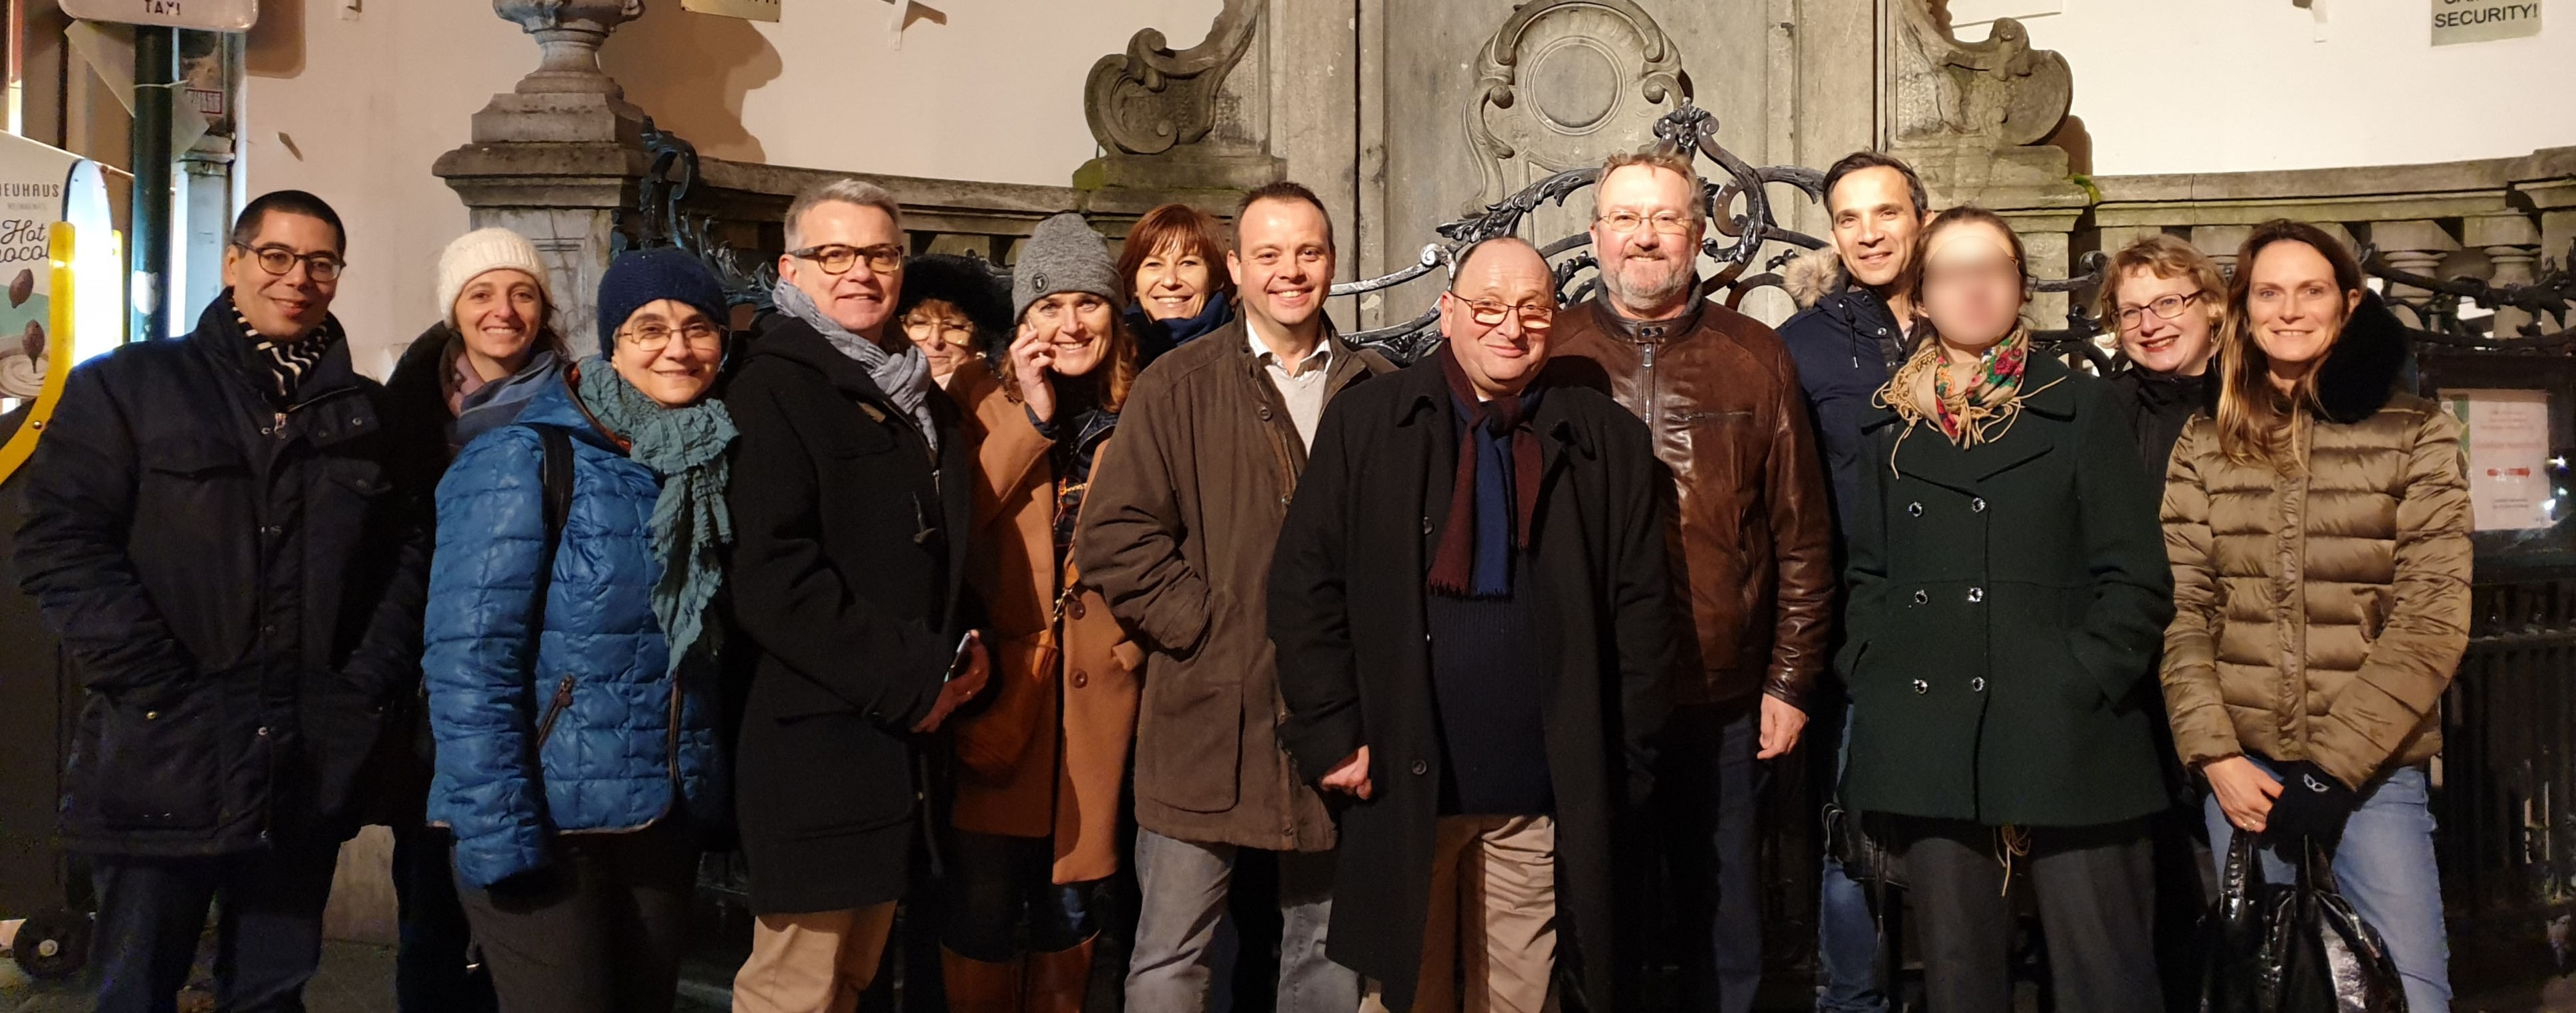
column 1063, row 255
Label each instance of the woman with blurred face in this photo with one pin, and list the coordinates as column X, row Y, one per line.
column 2164, row 300
column 1177, row 287
column 2318, row 526
column 2008, row 586
column 1042, row 763
column 570, row 662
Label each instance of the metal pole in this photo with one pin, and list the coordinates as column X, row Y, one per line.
column 156, row 66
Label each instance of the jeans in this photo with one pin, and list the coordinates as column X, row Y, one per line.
column 1705, row 783
column 1178, row 946
column 2385, row 868
column 432, row 970
column 1847, row 941
column 267, row 944
column 994, row 882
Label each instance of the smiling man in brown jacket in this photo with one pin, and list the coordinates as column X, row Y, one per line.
column 1751, row 533
column 1177, row 536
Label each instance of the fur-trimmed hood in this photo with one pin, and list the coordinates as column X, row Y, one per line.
column 1813, row 275
column 2361, row 372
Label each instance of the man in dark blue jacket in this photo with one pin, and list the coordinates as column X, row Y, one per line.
column 1848, row 336
column 215, row 527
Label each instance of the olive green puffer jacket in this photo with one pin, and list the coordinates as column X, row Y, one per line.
column 2320, row 615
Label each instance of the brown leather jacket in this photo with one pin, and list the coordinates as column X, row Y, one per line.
column 1752, row 535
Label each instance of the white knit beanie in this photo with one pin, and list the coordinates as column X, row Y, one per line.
column 483, row 250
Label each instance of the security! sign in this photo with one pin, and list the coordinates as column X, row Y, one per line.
column 206, row 15
column 2457, row 21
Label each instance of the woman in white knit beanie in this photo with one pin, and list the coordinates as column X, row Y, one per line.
column 498, row 343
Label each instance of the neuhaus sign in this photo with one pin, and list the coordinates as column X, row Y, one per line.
column 205, row 15
column 2456, row 21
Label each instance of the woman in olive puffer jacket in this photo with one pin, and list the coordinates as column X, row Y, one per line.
column 2319, row 533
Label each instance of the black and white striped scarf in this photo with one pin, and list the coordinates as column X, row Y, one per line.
column 288, row 361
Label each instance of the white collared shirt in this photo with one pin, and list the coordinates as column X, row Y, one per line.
column 1302, row 384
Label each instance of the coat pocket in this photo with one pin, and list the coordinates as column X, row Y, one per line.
column 154, row 768
column 1193, row 734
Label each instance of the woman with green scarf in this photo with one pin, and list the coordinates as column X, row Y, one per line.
column 2008, row 592
column 571, row 661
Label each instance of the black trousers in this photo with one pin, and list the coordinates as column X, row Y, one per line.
column 2096, row 892
column 268, row 939
column 600, row 932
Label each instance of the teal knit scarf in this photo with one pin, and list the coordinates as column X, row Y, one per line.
column 686, row 447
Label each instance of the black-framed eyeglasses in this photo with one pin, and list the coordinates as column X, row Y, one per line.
column 2165, row 308
column 1491, row 313
column 836, row 259
column 654, row 337
column 278, row 260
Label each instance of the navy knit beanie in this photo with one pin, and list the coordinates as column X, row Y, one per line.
column 644, row 276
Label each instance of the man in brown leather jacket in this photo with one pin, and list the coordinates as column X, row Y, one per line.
column 1752, row 534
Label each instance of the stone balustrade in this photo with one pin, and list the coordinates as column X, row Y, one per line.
column 2499, row 219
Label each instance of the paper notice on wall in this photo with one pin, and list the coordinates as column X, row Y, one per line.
column 748, row 10
column 2457, row 21
column 2508, row 452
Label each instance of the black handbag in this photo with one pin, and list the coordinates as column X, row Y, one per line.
column 2294, row 948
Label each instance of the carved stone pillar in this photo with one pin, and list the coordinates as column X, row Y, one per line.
column 2547, row 178
column 1564, row 84
column 1154, row 110
column 2220, row 242
column 2416, row 246
column 558, row 157
column 2511, row 243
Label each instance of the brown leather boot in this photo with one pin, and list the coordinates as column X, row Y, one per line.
column 1059, row 981
column 976, row 986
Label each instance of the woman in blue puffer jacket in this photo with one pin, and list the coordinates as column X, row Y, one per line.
column 574, row 703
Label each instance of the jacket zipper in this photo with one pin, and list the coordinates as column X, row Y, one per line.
column 563, row 699
column 1653, row 402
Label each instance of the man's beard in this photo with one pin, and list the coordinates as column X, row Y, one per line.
column 1673, row 276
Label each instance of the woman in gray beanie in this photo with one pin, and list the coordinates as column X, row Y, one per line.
column 1040, row 767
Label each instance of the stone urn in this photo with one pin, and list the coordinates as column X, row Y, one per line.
column 569, row 32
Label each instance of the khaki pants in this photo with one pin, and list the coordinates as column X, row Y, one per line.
column 1493, row 905
column 812, row 963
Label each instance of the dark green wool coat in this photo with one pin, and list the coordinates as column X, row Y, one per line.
column 2006, row 606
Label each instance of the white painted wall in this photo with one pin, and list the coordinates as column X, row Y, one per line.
column 978, row 89
column 2169, row 86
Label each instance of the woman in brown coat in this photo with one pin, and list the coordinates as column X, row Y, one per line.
column 1041, row 764
column 2319, row 532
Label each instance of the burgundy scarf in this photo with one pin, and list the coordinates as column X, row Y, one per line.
column 1453, row 570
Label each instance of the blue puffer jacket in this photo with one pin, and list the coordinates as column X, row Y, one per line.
column 610, row 732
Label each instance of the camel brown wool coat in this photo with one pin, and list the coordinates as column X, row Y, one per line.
column 2321, row 614
column 1044, row 753
column 1177, row 532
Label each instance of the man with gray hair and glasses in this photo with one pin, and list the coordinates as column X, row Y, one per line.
column 851, row 493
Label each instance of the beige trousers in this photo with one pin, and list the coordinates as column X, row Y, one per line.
column 1493, row 910
column 812, row 963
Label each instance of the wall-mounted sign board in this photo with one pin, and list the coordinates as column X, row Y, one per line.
column 748, row 10
column 2457, row 21
column 2508, row 457
column 206, row 15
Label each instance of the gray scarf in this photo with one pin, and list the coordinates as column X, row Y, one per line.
column 904, row 377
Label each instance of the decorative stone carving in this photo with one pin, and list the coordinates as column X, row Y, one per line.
column 1996, row 93
column 1567, row 83
column 1152, row 110
column 569, row 32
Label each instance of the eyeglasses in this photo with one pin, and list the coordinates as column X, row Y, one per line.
column 654, row 337
column 278, row 260
column 1670, row 223
column 2165, row 308
column 837, row 260
column 927, row 330
column 1534, row 316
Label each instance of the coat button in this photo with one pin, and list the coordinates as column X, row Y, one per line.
column 1420, row 768
column 151, row 715
column 1977, row 505
column 1922, row 598
column 1265, row 415
column 1977, row 685
column 1921, row 687
column 1976, row 594
column 1914, row 509
column 1081, row 679
column 1426, row 524
column 263, row 731
column 1074, row 608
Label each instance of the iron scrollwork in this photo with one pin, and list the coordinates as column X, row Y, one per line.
column 657, row 219
column 2551, row 296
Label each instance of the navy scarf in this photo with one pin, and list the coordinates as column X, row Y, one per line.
column 1495, row 493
